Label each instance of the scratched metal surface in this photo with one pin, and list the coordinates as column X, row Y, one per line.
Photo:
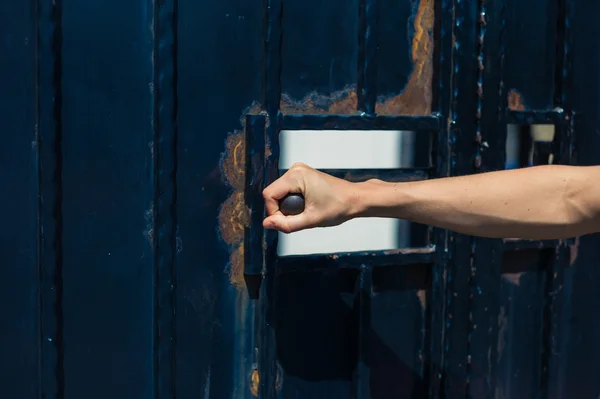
column 124, row 201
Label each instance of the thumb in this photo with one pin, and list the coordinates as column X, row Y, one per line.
column 286, row 224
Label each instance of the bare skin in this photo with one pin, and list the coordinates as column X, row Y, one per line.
column 543, row 202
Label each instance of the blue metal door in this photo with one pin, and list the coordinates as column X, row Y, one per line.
column 136, row 139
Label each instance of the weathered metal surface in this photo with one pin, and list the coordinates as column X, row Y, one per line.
column 119, row 282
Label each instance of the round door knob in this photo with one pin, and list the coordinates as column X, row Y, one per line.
column 292, row 204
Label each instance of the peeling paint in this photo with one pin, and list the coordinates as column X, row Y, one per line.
column 236, row 266
column 254, row 383
column 514, row 278
column 416, row 97
column 234, row 218
column 422, row 295
column 340, row 102
column 515, row 102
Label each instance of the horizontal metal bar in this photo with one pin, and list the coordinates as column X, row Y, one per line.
column 431, row 123
column 391, row 175
column 514, row 244
column 354, row 260
column 554, row 116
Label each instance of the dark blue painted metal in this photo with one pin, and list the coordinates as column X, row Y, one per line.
column 355, row 260
column 113, row 118
column 364, row 293
column 255, row 174
column 20, row 340
column 360, row 122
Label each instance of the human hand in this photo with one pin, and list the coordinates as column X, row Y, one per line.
column 328, row 201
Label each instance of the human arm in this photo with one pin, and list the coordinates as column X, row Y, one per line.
column 544, row 202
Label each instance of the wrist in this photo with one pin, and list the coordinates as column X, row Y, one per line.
column 374, row 198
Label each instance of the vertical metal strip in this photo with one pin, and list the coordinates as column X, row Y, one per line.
column 165, row 193
column 486, row 255
column 50, row 246
column 255, row 173
column 364, row 293
column 551, row 379
column 367, row 57
column 564, row 54
column 271, row 101
column 444, row 11
column 462, row 127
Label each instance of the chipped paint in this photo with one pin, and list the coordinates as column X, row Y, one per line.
column 422, row 295
column 514, row 278
column 340, row 102
column 236, row 266
column 515, row 102
column 254, row 383
column 416, row 97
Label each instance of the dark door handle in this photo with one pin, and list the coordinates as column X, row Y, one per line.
column 292, row 204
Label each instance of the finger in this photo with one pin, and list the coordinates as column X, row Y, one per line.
column 286, row 224
column 277, row 190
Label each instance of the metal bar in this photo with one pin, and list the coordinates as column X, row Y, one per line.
column 370, row 64
column 360, row 83
column 255, row 173
column 552, row 374
column 541, row 117
column 486, row 254
column 441, row 154
column 354, row 260
column 564, row 57
column 463, row 109
column 519, row 244
column 165, row 194
column 550, row 333
column 390, row 175
column 360, row 122
column 364, row 292
column 50, row 213
column 267, row 367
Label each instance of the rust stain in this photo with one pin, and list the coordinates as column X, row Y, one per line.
column 414, row 100
column 236, row 266
column 254, row 382
column 416, row 97
column 515, row 102
column 340, row 102
column 422, row 295
column 574, row 251
column 234, row 218
column 514, row 278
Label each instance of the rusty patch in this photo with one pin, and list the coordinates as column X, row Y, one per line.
column 515, row 102
column 254, row 382
column 416, row 97
column 340, row 102
column 236, row 266
column 233, row 165
column 234, row 218
column 514, row 278
column 422, row 295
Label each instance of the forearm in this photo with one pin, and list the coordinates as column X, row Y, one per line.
column 545, row 202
